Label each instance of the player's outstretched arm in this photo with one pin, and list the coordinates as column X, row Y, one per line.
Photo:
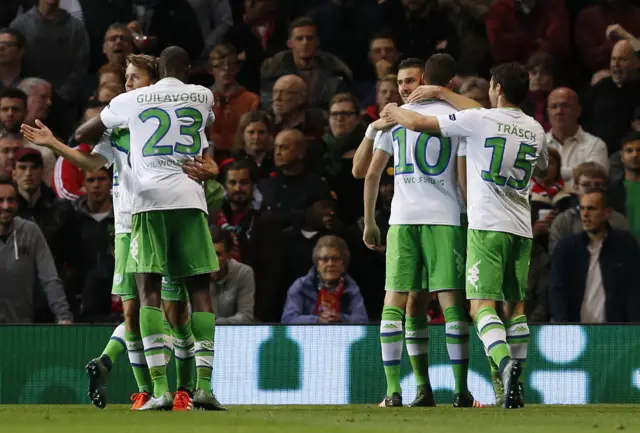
column 411, row 120
column 458, row 101
column 90, row 131
column 371, row 234
column 364, row 153
column 42, row 136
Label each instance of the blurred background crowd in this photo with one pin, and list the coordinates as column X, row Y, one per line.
column 324, row 68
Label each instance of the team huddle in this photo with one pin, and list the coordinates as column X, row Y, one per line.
column 451, row 165
column 451, row 159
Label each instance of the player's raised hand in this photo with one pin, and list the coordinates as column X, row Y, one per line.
column 371, row 237
column 385, row 111
column 201, row 169
column 424, row 92
column 41, row 135
column 383, row 123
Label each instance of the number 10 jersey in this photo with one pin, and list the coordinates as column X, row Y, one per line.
column 503, row 147
column 425, row 171
column 167, row 124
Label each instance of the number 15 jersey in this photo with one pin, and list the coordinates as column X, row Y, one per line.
column 426, row 182
column 503, row 147
column 166, row 122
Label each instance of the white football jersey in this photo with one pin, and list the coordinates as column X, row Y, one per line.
column 114, row 147
column 503, row 147
column 167, row 125
column 426, row 182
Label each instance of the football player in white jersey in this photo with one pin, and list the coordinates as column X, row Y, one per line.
column 114, row 148
column 425, row 245
column 505, row 147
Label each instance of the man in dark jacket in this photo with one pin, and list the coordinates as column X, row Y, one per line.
column 593, row 274
column 27, row 271
column 38, row 203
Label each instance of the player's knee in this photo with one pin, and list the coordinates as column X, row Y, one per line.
column 396, row 299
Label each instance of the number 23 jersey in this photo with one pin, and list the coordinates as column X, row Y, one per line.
column 503, row 147
column 167, row 124
column 425, row 172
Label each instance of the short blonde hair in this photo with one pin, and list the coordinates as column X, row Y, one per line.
column 331, row 241
column 590, row 169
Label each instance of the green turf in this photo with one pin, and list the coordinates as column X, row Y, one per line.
column 321, row 419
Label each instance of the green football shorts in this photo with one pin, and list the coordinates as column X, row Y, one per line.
column 124, row 284
column 497, row 265
column 424, row 256
column 173, row 242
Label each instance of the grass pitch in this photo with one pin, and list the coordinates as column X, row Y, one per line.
column 321, row 419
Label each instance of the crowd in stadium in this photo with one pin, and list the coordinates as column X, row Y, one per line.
column 325, row 68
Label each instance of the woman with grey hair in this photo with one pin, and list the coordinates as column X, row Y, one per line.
column 327, row 294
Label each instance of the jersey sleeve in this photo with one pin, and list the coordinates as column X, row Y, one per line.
column 117, row 112
column 383, row 141
column 460, row 124
column 210, row 118
column 104, row 149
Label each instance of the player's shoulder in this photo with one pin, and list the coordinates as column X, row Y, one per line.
column 431, row 107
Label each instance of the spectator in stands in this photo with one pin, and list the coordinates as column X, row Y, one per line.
column 420, row 28
column 232, row 100
column 13, row 109
column 68, row 180
column 12, row 47
column 111, row 74
column 159, row 24
column 58, row 48
column 616, row 169
column 233, row 287
column 105, row 93
column 587, row 175
column 477, row 89
column 240, row 206
column 9, row 145
column 627, row 187
column 592, row 43
column 254, row 141
column 340, row 142
column 39, row 96
column 261, row 34
column 567, row 136
column 327, row 294
column 382, row 57
column 117, row 45
column 542, row 73
column 610, row 104
column 290, row 108
column 345, row 28
column 93, row 248
column 320, row 218
column 215, row 20
column 386, row 92
column 26, row 266
column 38, row 203
column 323, row 73
column 549, row 196
column 519, row 28
column 286, row 192
column 593, row 272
